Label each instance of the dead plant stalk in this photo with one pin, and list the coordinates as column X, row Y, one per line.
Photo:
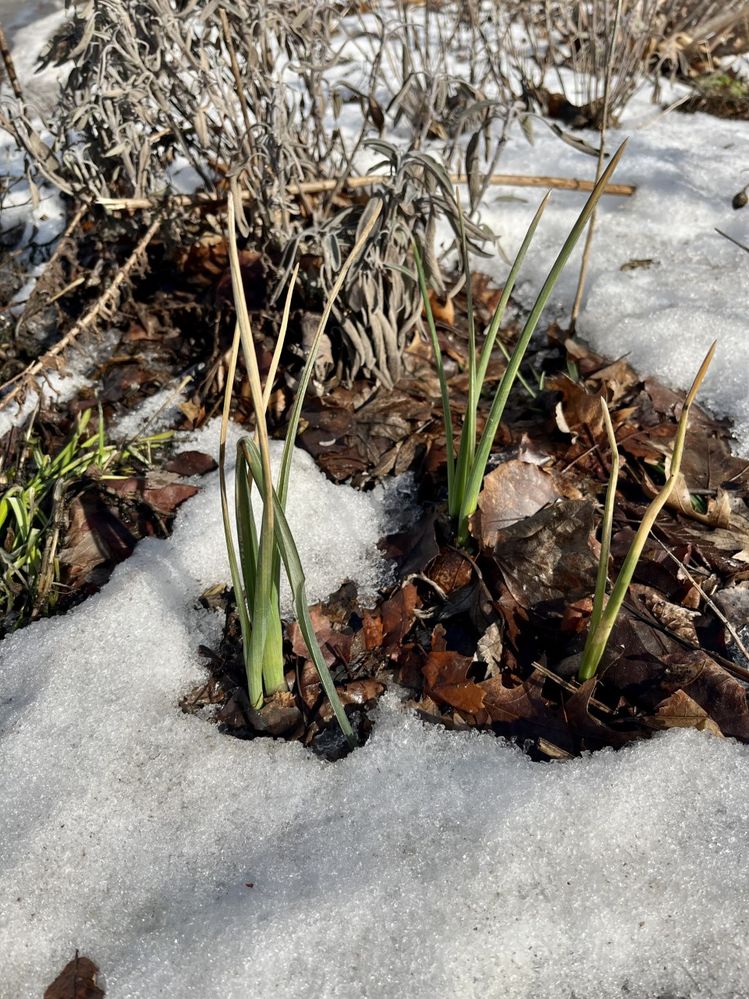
column 355, row 183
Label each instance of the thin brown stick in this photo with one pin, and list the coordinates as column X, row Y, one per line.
column 354, row 183
column 237, row 78
column 30, row 307
column 103, row 303
column 10, row 69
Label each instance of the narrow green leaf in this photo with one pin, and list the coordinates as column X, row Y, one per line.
column 491, row 333
column 470, row 498
column 597, row 639
column 437, row 350
column 295, row 574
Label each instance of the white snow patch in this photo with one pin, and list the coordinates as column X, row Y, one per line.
column 158, row 412
column 186, row 863
column 52, row 387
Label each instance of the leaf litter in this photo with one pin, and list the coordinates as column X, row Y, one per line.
column 491, row 637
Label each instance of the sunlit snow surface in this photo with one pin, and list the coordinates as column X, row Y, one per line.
column 187, row 863
column 427, row 864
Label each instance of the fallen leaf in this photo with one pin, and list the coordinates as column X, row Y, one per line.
column 443, row 311
column 678, row 710
column 398, row 616
column 520, row 703
column 77, row 980
column 586, row 726
column 549, row 557
column 162, row 491
column 450, row 570
column 511, row 492
column 191, row 463
column 489, row 649
column 676, row 619
column 324, row 633
column 278, row 716
column 579, row 409
column 724, row 698
column 447, row 682
column 94, row 536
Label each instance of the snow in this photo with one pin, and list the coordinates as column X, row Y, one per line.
column 156, row 413
column 187, row 863
column 55, row 386
column 427, row 863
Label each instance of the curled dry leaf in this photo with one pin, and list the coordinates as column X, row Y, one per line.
column 489, row 649
column 677, row 620
column 451, row 570
column 724, row 698
column 578, row 410
column 443, row 311
column 390, row 626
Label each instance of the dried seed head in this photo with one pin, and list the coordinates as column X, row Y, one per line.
column 740, row 199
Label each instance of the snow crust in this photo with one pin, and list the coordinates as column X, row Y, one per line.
column 428, row 863
column 186, row 863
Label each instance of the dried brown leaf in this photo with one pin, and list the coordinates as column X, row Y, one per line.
column 77, row 980
column 678, row 710
column 511, row 492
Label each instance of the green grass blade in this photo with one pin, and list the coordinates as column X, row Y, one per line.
column 599, row 600
column 290, row 556
column 236, row 576
column 257, row 665
column 446, row 415
column 597, row 640
column 246, row 530
column 491, row 333
column 470, row 498
column 467, row 449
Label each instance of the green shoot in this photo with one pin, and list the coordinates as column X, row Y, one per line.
column 32, row 506
column 466, row 473
column 599, row 600
column 602, row 622
column 255, row 572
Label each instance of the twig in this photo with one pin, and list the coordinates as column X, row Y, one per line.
column 82, row 325
column 732, row 240
column 10, row 69
column 569, row 686
column 29, row 309
column 354, row 183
